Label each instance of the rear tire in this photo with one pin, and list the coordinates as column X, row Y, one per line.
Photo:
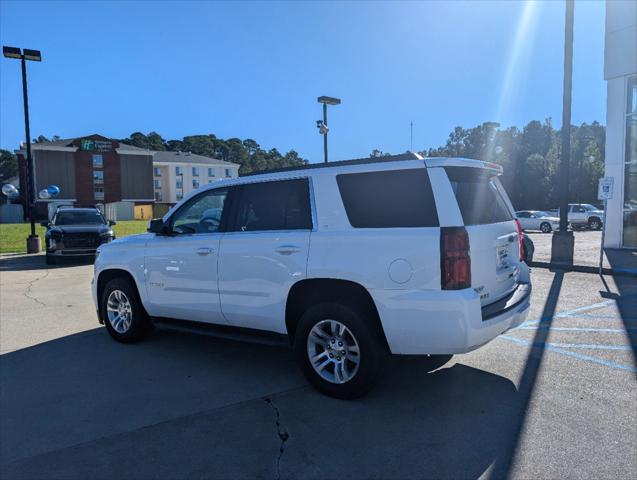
column 594, row 223
column 122, row 311
column 545, row 227
column 347, row 350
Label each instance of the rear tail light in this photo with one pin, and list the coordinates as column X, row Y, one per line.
column 517, row 222
column 455, row 258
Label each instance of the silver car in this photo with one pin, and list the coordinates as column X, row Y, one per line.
column 538, row 220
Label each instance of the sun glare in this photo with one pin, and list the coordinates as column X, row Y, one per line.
column 516, row 68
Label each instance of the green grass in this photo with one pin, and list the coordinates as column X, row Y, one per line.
column 13, row 235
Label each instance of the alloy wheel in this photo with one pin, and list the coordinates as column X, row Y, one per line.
column 119, row 311
column 333, row 351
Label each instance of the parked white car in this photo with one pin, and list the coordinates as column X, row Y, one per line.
column 346, row 262
column 537, row 220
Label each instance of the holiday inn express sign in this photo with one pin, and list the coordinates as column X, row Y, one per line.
column 90, row 145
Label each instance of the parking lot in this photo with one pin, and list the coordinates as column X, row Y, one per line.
column 553, row 398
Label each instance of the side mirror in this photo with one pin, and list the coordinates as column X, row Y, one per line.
column 157, row 226
column 111, row 223
column 45, row 223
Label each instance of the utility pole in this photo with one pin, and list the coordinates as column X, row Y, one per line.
column 563, row 240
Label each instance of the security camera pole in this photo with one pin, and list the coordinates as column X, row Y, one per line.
column 322, row 126
column 33, row 241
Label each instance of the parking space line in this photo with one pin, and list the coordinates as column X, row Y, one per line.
column 587, row 346
column 579, row 356
column 577, row 329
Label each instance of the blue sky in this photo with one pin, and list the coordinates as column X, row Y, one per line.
column 254, row 69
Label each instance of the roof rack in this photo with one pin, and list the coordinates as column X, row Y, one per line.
column 341, row 163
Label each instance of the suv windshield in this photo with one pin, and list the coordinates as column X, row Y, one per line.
column 83, row 217
column 589, row 207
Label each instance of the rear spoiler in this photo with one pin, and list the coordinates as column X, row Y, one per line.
column 463, row 162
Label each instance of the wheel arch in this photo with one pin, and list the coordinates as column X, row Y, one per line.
column 109, row 274
column 311, row 291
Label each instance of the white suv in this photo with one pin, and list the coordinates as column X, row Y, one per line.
column 346, row 262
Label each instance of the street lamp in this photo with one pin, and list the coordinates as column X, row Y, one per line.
column 33, row 241
column 563, row 242
column 322, row 124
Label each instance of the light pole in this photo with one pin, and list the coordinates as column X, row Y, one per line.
column 563, row 241
column 322, row 124
column 33, row 241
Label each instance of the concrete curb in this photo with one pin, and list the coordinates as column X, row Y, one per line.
column 625, row 272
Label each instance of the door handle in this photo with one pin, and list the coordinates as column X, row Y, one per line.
column 204, row 251
column 287, row 249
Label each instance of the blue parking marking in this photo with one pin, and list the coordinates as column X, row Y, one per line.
column 587, row 346
column 580, row 312
column 579, row 356
column 577, row 329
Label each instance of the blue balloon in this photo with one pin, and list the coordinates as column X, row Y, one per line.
column 53, row 190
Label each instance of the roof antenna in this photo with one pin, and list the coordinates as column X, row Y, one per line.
column 411, row 136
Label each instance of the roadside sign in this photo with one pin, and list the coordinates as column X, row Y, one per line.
column 605, row 188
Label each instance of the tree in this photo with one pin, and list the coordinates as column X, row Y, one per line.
column 8, row 165
column 378, row 153
column 530, row 159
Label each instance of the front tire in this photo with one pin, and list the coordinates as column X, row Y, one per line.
column 545, row 227
column 122, row 311
column 338, row 350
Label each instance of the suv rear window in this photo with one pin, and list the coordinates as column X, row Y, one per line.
column 388, row 199
column 478, row 196
column 274, row 205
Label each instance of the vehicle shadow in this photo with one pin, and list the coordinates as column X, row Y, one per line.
column 451, row 423
column 19, row 263
column 176, row 405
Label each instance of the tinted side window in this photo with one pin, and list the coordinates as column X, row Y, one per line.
column 388, row 199
column 478, row 196
column 523, row 214
column 279, row 205
column 202, row 214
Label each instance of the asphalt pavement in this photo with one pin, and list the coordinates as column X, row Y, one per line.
column 555, row 398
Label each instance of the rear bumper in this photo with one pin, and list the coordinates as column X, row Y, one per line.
column 421, row 322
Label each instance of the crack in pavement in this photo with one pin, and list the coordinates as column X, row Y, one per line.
column 283, row 435
column 27, row 292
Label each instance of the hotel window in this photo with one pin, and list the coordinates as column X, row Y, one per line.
column 211, row 172
column 158, row 196
column 99, row 193
column 179, row 170
column 630, row 167
column 195, row 183
column 228, row 173
column 98, row 176
column 98, row 161
column 195, row 171
column 157, row 171
column 157, row 183
column 179, row 183
column 180, row 194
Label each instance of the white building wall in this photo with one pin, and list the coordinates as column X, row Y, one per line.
column 169, row 177
column 620, row 63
